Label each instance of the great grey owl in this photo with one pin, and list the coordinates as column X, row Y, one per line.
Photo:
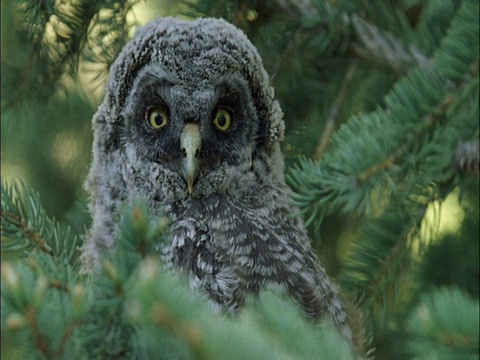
column 189, row 122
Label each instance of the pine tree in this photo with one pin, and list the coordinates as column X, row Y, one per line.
column 381, row 109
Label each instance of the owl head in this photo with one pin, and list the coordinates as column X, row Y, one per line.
column 188, row 112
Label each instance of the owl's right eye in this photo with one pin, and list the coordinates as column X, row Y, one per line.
column 157, row 117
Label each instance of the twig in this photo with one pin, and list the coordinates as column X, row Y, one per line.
column 39, row 340
column 59, row 285
column 385, row 48
column 428, row 120
column 66, row 336
column 334, row 110
column 34, row 236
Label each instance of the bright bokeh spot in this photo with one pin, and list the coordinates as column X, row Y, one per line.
column 442, row 218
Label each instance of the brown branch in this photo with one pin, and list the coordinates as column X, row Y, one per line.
column 52, row 283
column 334, row 110
column 37, row 335
column 56, row 284
column 384, row 48
column 428, row 120
column 384, row 165
column 66, row 336
column 27, row 232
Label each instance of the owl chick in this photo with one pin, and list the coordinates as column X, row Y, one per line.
column 189, row 122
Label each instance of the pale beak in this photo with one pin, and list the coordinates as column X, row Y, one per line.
column 190, row 144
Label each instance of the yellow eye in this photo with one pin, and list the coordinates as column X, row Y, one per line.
column 222, row 120
column 157, row 117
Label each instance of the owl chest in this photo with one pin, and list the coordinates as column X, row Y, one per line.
column 230, row 250
column 205, row 248
column 206, row 243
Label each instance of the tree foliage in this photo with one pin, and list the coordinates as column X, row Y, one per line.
column 381, row 103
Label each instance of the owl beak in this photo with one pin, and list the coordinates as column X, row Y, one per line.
column 190, row 143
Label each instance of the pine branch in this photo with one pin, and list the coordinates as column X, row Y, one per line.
column 26, row 233
column 40, row 342
column 258, row 333
column 107, row 35
column 25, row 225
column 29, row 287
column 380, row 260
column 111, row 284
column 58, row 36
column 436, row 114
column 29, row 296
column 445, row 322
column 357, row 166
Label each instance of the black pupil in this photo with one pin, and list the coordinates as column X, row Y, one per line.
column 222, row 120
column 158, row 118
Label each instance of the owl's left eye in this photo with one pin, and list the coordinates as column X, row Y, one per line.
column 157, row 117
column 222, row 120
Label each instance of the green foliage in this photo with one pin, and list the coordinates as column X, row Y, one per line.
column 445, row 325
column 381, row 103
column 275, row 337
column 57, row 36
column 106, row 320
column 376, row 152
column 42, row 301
column 27, row 228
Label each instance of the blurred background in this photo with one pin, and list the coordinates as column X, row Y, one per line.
column 55, row 61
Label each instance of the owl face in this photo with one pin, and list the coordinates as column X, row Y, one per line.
column 188, row 115
column 195, row 128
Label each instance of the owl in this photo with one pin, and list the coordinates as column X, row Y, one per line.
column 189, row 122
